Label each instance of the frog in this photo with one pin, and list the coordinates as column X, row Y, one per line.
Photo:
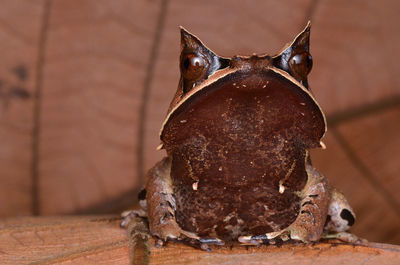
column 237, row 134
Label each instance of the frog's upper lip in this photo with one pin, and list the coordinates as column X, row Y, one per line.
column 227, row 71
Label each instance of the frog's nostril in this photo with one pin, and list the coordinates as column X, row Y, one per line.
column 348, row 216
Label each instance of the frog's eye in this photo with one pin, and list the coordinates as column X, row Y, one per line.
column 300, row 65
column 295, row 58
column 197, row 62
column 193, row 66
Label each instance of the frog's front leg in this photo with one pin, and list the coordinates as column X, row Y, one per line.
column 340, row 218
column 310, row 221
column 161, row 209
column 129, row 215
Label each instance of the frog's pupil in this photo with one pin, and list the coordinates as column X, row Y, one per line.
column 186, row 63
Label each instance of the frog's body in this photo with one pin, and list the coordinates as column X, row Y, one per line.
column 248, row 136
column 237, row 135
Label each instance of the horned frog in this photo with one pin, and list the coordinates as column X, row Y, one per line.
column 237, row 136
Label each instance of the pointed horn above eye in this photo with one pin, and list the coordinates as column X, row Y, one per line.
column 189, row 41
column 300, row 42
column 303, row 38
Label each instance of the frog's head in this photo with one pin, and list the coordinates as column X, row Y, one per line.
column 274, row 88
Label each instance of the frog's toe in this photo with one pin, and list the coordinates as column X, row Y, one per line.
column 128, row 216
column 346, row 237
column 197, row 242
column 252, row 240
column 268, row 238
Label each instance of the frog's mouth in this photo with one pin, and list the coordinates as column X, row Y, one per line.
column 267, row 98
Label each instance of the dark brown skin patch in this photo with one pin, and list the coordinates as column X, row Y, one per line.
column 237, row 139
column 346, row 215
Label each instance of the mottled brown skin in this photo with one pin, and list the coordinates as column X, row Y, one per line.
column 237, row 136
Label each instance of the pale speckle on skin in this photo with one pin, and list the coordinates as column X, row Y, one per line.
column 193, row 221
column 264, row 86
column 281, row 188
column 183, row 121
column 243, row 85
column 235, row 230
column 195, row 185
column 302, row 114
column 302, row 103
column 280, row 144
column 229, row 217
column 220, row 169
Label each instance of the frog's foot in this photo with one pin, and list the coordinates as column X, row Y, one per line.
column 128, row 216
column 165, row 227
column 346, row 237
column 293, row 232
column 197, row 242
column 161, row 209
column 169, row 230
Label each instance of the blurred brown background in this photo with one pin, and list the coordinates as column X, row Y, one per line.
column 85, row 85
